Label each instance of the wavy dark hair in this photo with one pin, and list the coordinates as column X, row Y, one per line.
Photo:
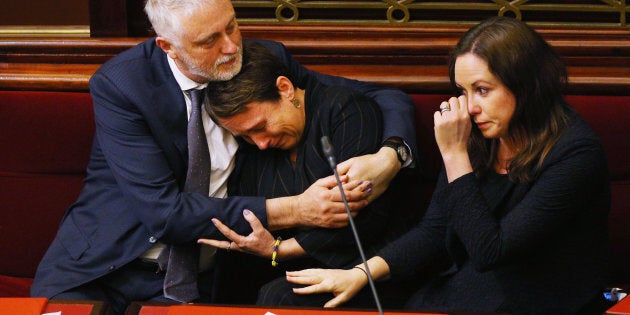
column 529, row 67
column 256, row 82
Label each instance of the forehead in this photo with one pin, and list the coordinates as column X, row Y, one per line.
column 242, row 122
column 208, row 18
column 470, row 68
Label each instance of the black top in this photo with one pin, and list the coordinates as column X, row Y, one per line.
column 352, row 121
column 517, row 248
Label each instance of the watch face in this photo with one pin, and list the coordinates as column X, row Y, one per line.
column 402, row 153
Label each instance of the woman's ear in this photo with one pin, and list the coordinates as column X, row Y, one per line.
column 285, row 87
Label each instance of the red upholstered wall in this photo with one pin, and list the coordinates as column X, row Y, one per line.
column 45, row 140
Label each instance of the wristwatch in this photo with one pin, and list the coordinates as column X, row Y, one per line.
column 402, row 151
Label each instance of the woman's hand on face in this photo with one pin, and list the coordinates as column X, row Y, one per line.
column 452, row 131
column 453, row 127
column 344, row 284
column 258, row 242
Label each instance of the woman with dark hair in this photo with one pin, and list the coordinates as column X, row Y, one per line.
column 518, row 219
column 279, row 124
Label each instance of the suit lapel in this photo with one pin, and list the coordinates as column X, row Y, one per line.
column 168, row 102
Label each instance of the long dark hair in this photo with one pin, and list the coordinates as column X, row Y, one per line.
column 534, row 73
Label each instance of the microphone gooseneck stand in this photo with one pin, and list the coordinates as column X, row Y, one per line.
column 328, row 152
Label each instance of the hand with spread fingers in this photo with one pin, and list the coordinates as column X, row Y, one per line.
column 343, row 284
column 258, row 242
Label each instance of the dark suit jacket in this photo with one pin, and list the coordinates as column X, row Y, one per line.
column 132, row 196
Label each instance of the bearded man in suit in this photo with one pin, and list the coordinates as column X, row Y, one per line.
column 133, row 203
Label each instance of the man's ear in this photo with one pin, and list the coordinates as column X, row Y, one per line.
column 166, row 46
column 285, row 87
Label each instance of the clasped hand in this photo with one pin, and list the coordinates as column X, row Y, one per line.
column 321, row 205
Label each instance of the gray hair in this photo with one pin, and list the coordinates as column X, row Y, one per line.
column 165, row 16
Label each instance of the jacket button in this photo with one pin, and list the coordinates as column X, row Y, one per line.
column 112, row 267
column 152, row 239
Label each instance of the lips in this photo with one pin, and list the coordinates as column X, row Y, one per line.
column 278, row 144
column 482, row 124
column 229, row 62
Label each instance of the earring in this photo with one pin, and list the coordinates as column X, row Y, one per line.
column 296, row 103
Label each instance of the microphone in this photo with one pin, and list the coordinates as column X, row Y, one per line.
column 330, row 156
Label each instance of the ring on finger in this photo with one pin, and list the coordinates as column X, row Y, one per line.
column 229, row 245
column 444, row 107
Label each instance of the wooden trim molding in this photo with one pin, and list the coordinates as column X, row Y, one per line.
column 412, row 59
column 113, row 18
column 45, row 31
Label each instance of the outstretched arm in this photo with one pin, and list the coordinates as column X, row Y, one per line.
column 260, row 241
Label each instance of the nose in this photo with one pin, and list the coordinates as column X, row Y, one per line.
column 473, row 106
column 261, row 142
column 230, row 44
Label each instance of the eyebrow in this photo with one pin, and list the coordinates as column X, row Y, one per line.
column 258, row 125
column 482, row 81
column 476, row 83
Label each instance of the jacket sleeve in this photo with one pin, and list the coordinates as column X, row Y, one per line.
column 353, row 125
column 148, row 169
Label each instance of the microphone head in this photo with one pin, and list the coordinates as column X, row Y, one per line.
column 328, row 151
column 326, row 146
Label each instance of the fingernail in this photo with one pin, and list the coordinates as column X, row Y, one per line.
column 360, row 182
column 369, row 190
column 214, row 221
column 246, row 212
column 369, row 184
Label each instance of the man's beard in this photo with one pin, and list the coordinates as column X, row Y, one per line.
column 214, row 74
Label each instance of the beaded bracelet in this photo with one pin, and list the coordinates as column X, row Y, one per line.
column 274, row 255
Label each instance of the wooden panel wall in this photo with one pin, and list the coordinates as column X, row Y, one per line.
column 413, row 59
column 408, row 49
